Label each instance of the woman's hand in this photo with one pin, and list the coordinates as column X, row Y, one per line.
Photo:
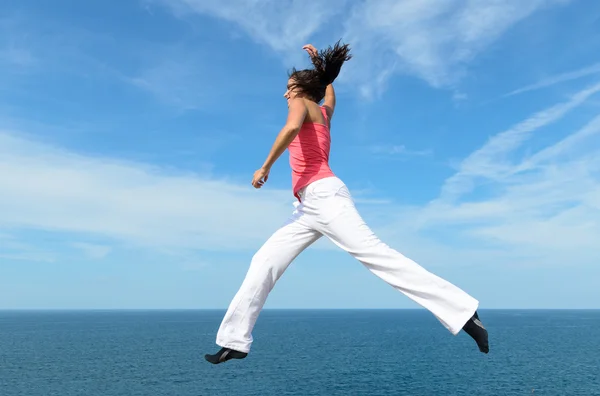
column 260, row 177
column 312, row 51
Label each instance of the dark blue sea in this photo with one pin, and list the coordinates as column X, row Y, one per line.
column 387, row 352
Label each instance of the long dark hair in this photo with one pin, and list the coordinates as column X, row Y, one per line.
column 327, row 65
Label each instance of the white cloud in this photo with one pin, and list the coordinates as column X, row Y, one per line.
column 93, row 251
column 16, row 56
column 550, row 211
column 14, row 47
column 180, row 76
column 177, row 74
column 49, row 188
column 24, row 256
column 557, row 79
column 459, row 96
column 177, row 82
column 398, row 150
column 543, row 206
column 490, row 161
column 431, row 39
column 15, row 250
column 194, row 266
column 283, row 25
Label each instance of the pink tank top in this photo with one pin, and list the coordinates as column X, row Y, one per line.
column 309, row 154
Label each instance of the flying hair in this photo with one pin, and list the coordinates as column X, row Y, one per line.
column 327, row 66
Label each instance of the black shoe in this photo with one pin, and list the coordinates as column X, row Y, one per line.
column 475, row 329
column 224, row 355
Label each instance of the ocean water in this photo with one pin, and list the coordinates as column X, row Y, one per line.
column 371, row 352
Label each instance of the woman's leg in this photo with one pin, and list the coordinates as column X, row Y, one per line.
column 267, row 266
column 345, row 227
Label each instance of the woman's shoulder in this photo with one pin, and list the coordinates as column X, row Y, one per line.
column 316, row 114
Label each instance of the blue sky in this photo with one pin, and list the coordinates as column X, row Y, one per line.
column 467, row 131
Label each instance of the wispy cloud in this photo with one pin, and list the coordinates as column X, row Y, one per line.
column 542, row 207
column 398, row 150
column 15, row 51
column 430, row 39
column 177, row 83
column 281, row 24
column 31, row 257
column 558, row 79
column 49, row 188
column 490, row 161
column 16, row 56
column 12, row 248
column 194, row 266
column 176, row 73
column 93, row 251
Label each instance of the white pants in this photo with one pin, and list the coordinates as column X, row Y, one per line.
column 328, row 209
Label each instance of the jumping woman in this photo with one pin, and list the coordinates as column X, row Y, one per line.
column 325, row 207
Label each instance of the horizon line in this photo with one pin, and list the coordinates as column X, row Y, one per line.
column 282, row 309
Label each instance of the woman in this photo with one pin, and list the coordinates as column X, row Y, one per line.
column 325, row 207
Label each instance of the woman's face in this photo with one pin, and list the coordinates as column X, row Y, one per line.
column 290, row 93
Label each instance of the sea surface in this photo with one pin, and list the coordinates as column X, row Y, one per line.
column 345, row 352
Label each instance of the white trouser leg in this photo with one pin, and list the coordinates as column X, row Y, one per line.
column 341, row 222
column 267, row 266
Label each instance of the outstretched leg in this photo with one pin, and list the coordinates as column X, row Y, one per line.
column 454, row 308
column 267, row 266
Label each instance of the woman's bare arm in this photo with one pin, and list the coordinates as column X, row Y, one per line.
column 329, row 101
